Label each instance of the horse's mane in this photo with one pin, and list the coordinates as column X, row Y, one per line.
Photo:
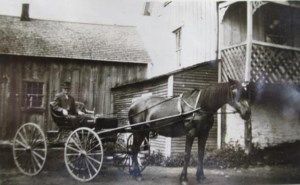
column 214, row 96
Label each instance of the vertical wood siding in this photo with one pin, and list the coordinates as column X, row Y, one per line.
column 91, row 84
column 198, row 22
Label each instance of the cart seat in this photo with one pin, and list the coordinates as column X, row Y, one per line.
column 59, row 119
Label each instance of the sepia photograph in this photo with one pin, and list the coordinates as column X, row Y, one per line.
column 138, row 92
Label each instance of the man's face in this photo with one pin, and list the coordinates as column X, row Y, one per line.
column 66, row 90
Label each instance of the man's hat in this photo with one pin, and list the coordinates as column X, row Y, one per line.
column 66, row 85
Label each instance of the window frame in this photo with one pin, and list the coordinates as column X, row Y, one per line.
column 178, row 40
column 24, row 104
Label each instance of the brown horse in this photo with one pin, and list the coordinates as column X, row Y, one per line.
column 198, row 124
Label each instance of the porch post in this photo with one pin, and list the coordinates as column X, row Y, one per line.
column 168, row 140
column 220, row 30
column 248, row 124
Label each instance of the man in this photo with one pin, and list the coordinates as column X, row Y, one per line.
column 65, row 104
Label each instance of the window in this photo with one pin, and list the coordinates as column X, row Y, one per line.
column 279, row 25
column 177, row 33
column 33, row 94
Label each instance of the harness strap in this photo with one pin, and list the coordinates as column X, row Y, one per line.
column 189, row 105
column 179, row 107
column 198, row 97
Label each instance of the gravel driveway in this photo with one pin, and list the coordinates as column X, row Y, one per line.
column 56, row 173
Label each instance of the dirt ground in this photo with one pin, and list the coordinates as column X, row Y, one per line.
column 56, row 173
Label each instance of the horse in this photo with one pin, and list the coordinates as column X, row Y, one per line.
column 206, row 102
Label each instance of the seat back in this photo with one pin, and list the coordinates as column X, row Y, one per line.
column 59, row 119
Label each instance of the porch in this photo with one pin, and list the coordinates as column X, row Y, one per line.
column 259, row 42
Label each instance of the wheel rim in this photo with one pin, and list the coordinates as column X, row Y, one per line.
column 83, row 154
column 30, row 149
column 143, row 155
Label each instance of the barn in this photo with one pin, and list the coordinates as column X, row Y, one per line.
column 36, row 56
column 168, row 85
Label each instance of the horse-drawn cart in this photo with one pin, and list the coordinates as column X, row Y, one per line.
column 84, row 148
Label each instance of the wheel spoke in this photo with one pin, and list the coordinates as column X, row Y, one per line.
column 78, row 138
column 20, row 149
column 22, row 144
column 74, row 154
column 32, row 137
column 23, row 139
column 93, row 148
column 96, row 161
column 38, row 155
column 87, row 165
column 74, row 149
column 91, row 164
column 37, row 161
column 35, row 141
column 25, row 133
column 86, row 140
column 76, row 144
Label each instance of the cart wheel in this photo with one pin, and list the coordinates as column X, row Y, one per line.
column 30, row 149
column 124, row 161
column 83, row 154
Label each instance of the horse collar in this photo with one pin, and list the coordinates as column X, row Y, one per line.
column 196, row 102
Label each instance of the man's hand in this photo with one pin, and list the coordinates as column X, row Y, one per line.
column 80, row 112
column 65, row 112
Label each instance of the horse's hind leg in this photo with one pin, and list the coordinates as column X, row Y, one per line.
column 188, row 147
column 138, row 138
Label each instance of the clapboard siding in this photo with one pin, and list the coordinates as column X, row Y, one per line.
column 200, row 78
column 124, row 96
column 91, row 83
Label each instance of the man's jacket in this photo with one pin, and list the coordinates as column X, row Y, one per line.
column 61, row 101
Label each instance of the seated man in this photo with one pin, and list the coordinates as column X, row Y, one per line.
column 65, row 104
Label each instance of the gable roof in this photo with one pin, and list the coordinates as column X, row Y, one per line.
column 57, row 39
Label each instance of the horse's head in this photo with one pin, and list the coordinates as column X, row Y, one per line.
column 240, row 98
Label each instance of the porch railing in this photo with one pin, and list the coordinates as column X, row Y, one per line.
column 270, row 63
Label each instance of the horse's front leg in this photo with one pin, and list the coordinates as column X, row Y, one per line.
column 188, row 147
column 137, row 141
column 201, row 147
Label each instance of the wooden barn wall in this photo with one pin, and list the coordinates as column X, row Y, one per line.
column 199, row 77
column 123, row 97
column 91, row 83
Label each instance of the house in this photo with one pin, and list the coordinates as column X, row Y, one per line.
column 36, row 56
column 254, row 41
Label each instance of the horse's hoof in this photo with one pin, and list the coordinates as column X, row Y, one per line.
column 202, row 180
column 139, row 178
column 184, row 183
